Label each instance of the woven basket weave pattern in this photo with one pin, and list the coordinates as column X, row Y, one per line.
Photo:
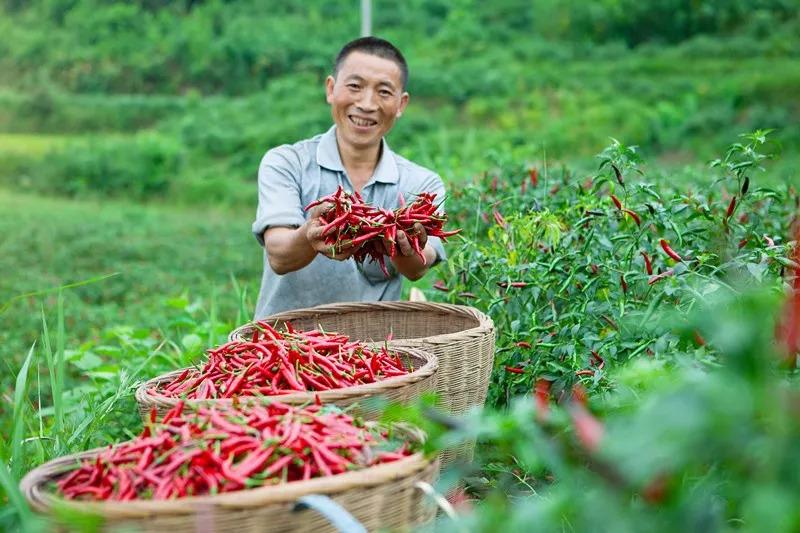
column 398, row 389
column 384, row 496
column 461, row 337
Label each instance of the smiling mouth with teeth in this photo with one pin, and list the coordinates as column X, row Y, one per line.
column 362, row 121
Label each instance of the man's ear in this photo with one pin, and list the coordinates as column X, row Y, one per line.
column 329, row 83
column 403, row 103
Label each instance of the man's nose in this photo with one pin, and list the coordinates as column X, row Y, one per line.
column 368, row 101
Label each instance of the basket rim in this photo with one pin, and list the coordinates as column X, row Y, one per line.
column 427, row 370
column 485, row 323
column 32, row 486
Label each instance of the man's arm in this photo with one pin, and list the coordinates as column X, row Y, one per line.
column 290, row 249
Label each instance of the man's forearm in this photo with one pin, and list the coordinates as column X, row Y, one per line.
column 288, row 249
column 411, row 266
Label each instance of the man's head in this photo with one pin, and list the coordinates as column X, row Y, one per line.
column 367, row 91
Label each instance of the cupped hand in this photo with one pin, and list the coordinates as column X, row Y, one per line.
column 315, row 234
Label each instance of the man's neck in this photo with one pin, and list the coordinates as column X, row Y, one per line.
column 358, row 162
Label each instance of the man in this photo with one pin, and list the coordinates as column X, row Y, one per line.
column 367, row 94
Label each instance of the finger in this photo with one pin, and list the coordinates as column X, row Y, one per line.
column 320, row 210
column 385, row 246
column 403, row 244
column 421, row 234
column 345, row 246
column 315, row 236
column 342, row 255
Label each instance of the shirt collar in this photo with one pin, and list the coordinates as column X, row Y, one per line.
column 328, row 156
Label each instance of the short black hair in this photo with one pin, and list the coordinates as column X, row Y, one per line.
column 377, row 47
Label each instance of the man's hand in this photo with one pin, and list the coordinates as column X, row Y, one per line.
column 315, row 234
column 403, row 246
column 407, row 261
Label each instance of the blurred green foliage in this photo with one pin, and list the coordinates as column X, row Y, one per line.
column 198, row 91
column 115, row 104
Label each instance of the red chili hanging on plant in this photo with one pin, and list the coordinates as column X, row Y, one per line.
column 499, row 218
column 669, row 251
column 659, row 277
column 731, row 207
column 440, row 286
column 634, row 216
column 618, row 174
column 541, row 393
column 648, row 264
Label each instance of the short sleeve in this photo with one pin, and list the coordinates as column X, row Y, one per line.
column 279, row 195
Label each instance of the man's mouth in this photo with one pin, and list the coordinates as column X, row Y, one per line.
column 362, row 122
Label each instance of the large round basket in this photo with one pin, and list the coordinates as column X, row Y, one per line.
column 406, row 388
column 385, row 496
column 461, row 337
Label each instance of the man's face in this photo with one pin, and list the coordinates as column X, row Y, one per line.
column 366, row 98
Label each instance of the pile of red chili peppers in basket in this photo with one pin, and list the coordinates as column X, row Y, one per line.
column 351, row 222
column 210, row 451
column 277, row 362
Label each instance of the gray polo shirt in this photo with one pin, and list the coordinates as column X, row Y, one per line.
column 292, row 176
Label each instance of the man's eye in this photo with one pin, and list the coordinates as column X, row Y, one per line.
column 354, row 86
column 386, row 93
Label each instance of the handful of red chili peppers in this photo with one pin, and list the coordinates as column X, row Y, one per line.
column 351, row 222
column 211, row 451
column 277, row 362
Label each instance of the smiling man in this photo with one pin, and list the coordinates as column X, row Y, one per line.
column 367, row 94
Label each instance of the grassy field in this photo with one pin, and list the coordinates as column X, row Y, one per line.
column 127, row 188
column 153, row 255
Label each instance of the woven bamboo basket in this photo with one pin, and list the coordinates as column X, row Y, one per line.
column 385, row 496
column 395, row 389
column 461, row 337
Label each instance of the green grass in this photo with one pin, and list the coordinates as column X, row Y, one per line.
column 157, row 254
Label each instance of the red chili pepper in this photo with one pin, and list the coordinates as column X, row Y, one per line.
column 588, row 429
column 618, row 174
column 352, row 223
column 440, row 286
column 208, row 461
column 499, row 218
column 742, row 243
column 669, row 251
column 279, row 362
column 698, row 339
column 648, row 265
column 731, row 207
column 523, row 344
column 542, row 396
column 616, row 202
column 513, row 284
column 623, row 284
column 534, row 176
column 515, row 370
column 659, row 277
column 634, row 216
